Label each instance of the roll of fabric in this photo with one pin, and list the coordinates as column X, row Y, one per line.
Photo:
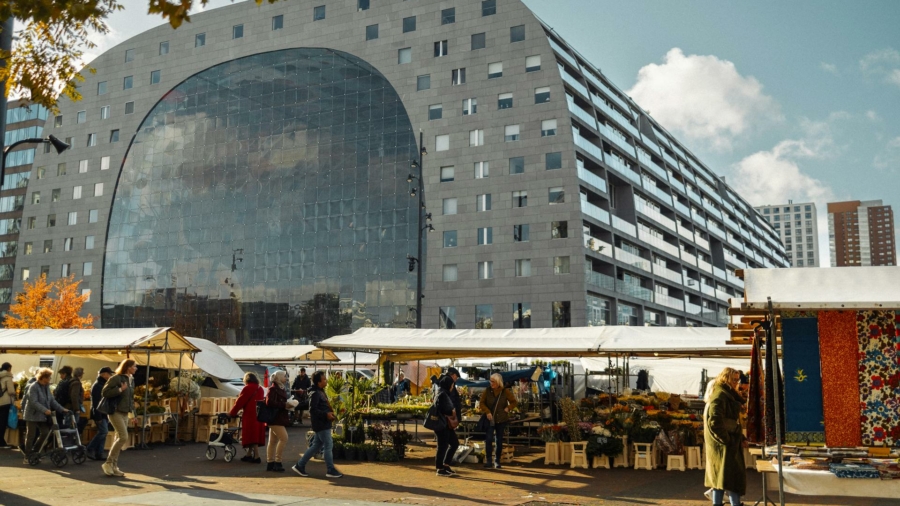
column 879, row 378
column 839, row 351
column 756, row 403
column 804, row 420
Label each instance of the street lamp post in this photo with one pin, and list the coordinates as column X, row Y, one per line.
column 416, row 262
column 59, row 145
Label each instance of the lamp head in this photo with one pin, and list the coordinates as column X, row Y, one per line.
column 58, row 145
column 409, row 178
column 423, row 151
column 414, row 164
column 412, row 193
column 430, row 228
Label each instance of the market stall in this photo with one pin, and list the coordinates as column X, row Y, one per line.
column 841, row 387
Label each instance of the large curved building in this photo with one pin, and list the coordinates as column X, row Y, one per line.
column 245, row 178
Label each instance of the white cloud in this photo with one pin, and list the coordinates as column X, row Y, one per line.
column 704, row 98
column 831, row 68
column 894, row 77
column 883, row 64
column 872, row 115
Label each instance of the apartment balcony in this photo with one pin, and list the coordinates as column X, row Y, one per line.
column 588, row 146
column 719, row 273
column 700, row 220
column 654, row 148
column 573, row 82
column 595, row 212
column 669, row 274
column 677, row 184
column 598, row 246
column 653, row 214
column 733, row 260
column 562, row 52
column 736, row 244
column 693, row 195
column 709, row 314
column 592, row 179
column 687, row 173
column 667, row 157
column 722, row 295
column 683, row 232
column 623, row 226
column 733, row 224
column 693, row 309
column 685, row 210
column 722, row 318
column 704, row 265
column 688, row 258
column 633, row 290
column 615, row 115
column 711, row 210
column 606, row 91
column 658, row 243
column 700, row 241
column 670, row 302
column 581, row 114
column 657, row 170
column 715, row 230
column 623, row 169
column 599, row 279
column 633, row 260
column 655, row 190
column 708, row 290
column 734, row 280
column 620, row 142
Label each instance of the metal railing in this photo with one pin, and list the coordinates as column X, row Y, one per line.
column 598, row 246
column 592, row 179
column 606, row 91
column 668, row 274
column 581, row 113
column 700, row 241
column 614, row 115
column 652, row 188
column 568, row 78
column 588, row 146
column 671, row 302
column 599, row 279
column 658, row 242
column 562, row 52
column 620, row 142
column 623, row 168
column 634, row 290
column 704, row 265
column 633, row 260
column 623, row 226
column 595, row 212
column 688, row 257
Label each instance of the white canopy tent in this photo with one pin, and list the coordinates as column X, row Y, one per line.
column 279, row 354
column 856, row 288
column 676, row 375
column 213, row 361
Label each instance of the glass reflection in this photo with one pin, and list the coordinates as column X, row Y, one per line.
column 265, row 200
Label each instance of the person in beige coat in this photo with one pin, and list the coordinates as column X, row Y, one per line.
column 7, row 398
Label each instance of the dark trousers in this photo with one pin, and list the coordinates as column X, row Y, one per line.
column 447, row 444
column 4, row 416
column 495, row 431
column 34, row 429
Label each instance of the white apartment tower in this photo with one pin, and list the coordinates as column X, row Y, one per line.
column 798, row 229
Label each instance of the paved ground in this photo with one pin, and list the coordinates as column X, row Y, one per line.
column 181, row 476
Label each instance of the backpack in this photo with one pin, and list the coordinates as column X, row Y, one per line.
column 61, row 394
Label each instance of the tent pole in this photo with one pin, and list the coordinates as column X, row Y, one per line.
column 143, row 445
column 177, row 414
column 772, row 350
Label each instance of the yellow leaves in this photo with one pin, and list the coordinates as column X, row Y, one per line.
column 800, row 376
column 53, row 305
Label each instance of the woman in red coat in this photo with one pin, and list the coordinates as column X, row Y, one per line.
column 253, row 432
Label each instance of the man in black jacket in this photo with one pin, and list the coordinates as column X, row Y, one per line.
column 95, row 447
column 300, row 389
column 320, row 416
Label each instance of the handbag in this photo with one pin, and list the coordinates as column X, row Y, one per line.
column 434, row 420
column 265, row 413
column 483, row 423
column 107, row 405
column 13, row 420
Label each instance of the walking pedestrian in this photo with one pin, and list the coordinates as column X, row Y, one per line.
column 7, row 398
column 94, row 449
column 496, row 403
column 446, row 438
column 62, row 390
column 119, row 390
column 76, row 398
column 724, row 439
column 300, row 389
column 277, row 398
column 38, row 411
column 253, row 432
column 320, row 417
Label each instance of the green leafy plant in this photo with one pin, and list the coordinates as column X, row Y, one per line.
column 376, row 432
column 571, row 415
column 606, row 446
column 388, row 455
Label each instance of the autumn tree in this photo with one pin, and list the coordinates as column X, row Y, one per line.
column 55, row 305
column 51, row 43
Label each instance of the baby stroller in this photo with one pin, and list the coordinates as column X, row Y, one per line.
column 58, row 443
column 223, row 437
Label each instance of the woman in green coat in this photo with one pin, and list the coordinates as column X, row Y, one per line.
column 724, row 439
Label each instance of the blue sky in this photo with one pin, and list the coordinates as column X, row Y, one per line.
column 788, row 100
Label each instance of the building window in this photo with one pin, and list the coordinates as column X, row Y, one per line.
column 57, row 121
column 76, row 193
column 484, row 316
column 450, row 238
column 93, row 214
column 409, row 24
column 448, row 16
column 441, row 142
column 807, row 208
column 517, row 165
column 277, row 22
column 469, row 106
column 81, row 117
column 521, row 233
column 440, row 48
column 154, row 77
column 48, row 246
column 91, row 140
column 548, row 127
column 319, row 13
column 521, row 315
column 423, row 82
column 562, row 314
column 98, row 189
column 164, row 48
column 61, row 169
column 488, row 8
column 113, row 136
column 51, row 220
column 45, row 270
column 450, row 272
column 200, row 40
column 129, row 107
column 559, row 229
column 495, row 70
column 481, row 170
column 505, row 101
column 485, row 236
column 449, row 207
column 104, row 163
column 101, row 88
column 32, row 222
column 89, row 242
column 362, row 5
column 553, row 161
column 447, row 317
column 541, row 95
column 83, row 166
column 372, row 32
column 560, row 265
column 533, row 63
column 29, row 248
column 54, row 195
column 404, row 55
column 35, row 198
column 511, row 133
column 237, row 32
column 447, row 174
column 435, row 111
column 520, row 198
column 68, row 243
column 478, row 41
column 129, row 55
column 476, row 137
column 88, row 268
column 517, row 33
column 104, row 112
column 66, row 270
column 486, row 270
column 127, row 82
column 523, row 268
column 557, row 195
column 483, row 202
column 41, row 172
column 26, row 273
column 73, row 218
column 458, row 76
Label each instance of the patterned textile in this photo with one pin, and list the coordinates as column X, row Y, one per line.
column 854, row 471
column 773, row 380
column 803, row 380
column 879, row 377
column 756, row 404
column 839, row 350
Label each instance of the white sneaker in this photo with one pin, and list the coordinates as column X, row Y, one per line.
column 108, row 469
column 708, row 494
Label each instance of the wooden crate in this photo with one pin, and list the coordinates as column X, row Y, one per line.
column 159, row 432
column 202, row 434
column 207, row 406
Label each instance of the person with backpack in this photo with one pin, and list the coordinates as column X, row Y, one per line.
column 7, row 399
column 496, row 403
column 119, row 392
column 94, row 449
column 253, row 432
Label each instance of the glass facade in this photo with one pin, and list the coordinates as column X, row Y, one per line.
column 264, row 200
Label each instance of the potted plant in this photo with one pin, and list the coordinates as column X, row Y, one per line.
column 399, row 440
column 338, row 449
column 350, row 451
column 371, row 452
column 387, row 455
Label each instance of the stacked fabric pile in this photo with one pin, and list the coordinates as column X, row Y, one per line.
column 888, row 469
column 849, row 470
column 810, row 464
